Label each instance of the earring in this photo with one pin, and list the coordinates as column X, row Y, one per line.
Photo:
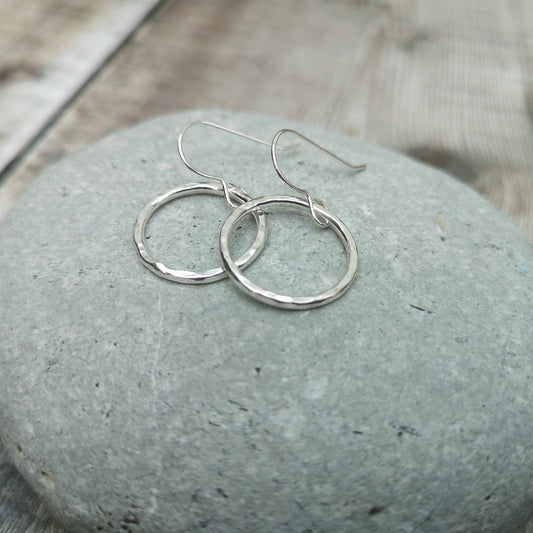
column 320, row 214
column 234, row 196
column 234, row 193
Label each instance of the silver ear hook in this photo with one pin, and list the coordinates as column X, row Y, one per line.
column 322, row 222
column 223, row 182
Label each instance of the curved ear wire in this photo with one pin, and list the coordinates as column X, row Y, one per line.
column 310, row 200
column 223, row 182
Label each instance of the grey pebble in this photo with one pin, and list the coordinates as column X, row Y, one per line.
column 134, row 404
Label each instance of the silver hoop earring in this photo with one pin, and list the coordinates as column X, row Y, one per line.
column 320, row 214
column 234, row 196
column 281, row 300
column 186, row 276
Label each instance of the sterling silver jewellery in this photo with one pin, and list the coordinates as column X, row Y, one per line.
column 234, row 197
column 234, row 193
column 320, row 214
column 282, row 300
column 244, row 205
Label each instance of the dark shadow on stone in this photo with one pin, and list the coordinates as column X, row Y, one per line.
column 20, row 508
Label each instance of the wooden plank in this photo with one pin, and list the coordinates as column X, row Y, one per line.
column 49, row 51
column 446, row 82
column 459, row 78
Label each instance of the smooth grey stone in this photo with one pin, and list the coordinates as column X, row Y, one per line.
column 131, row 403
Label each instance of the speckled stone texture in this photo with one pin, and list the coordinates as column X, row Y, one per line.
column 134, row 404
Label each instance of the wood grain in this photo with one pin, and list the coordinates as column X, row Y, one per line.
column 49, row 50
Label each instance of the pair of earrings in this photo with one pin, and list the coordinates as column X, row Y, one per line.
column 243, row 205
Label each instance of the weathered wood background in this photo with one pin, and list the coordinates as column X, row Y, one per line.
column 450, row 83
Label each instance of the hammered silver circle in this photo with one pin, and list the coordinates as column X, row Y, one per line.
column 281, row 300
column 188, row 276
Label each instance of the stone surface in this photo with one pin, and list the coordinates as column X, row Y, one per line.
column 131, row 403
